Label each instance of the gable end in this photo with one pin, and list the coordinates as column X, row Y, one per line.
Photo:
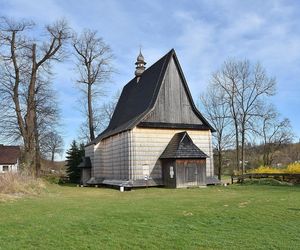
column 174, row 106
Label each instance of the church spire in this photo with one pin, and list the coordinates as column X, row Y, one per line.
column 140, row 65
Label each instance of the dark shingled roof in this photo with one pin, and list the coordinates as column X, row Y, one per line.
column 138, row 98
column 9, row 154
column 181, row 146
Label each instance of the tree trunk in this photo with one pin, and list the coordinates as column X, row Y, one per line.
column 266, row 156
column 243, row 152
column 52, row 156
column 37, row 148
column 220, row 164
column 237, row 151
column 90, row 113
column 37, row 162
column 30, row 120
column 16, row 87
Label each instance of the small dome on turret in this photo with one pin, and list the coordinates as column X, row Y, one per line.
column 140, row 65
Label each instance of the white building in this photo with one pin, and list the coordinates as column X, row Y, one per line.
column 9, row 158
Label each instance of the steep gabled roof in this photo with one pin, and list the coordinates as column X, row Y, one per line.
column 138, row 98
column 9, row 154
column 181, row 146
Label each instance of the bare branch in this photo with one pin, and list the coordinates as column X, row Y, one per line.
column 93, row 63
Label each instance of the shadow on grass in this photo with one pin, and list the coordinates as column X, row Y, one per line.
column 294, row 209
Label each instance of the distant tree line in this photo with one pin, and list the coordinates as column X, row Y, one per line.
column 237, row 104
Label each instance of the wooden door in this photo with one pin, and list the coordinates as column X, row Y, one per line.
column 201, row 173
column 169, row 173
column 191, row 174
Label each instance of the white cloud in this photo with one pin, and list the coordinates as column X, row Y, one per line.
column 204, row 33
column 268, row 33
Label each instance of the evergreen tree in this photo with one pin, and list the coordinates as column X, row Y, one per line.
column 74, row 157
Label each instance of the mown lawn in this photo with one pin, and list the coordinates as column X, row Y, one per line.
column 234, row 217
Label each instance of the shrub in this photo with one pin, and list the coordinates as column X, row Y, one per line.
column 53, row 179
column 20, row 184
column 293, row 168
column 267, row 181
column 266, row 169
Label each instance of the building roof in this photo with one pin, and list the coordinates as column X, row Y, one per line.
column 181, row 146
column 9, row 154
column 138, row 98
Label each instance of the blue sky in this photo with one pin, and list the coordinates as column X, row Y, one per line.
column 203, row 33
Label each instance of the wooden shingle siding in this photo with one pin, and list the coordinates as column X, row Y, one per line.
column 111, row 160
column 172, row 104
column 150, row 143
column 125, row 155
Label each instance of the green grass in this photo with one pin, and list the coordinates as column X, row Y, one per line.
column 234, row 217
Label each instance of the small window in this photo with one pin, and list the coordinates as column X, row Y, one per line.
column 5, row 168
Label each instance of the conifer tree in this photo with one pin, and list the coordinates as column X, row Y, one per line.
column 74, row 157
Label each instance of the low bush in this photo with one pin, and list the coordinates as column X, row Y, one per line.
column 266, row 170
column 267, row 181
column 53, row 179
column 20, row 184
column 293, row 168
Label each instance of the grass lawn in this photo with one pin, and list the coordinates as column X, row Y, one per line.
column 234, row 217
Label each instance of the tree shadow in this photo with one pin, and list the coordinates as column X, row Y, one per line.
column 294, row 209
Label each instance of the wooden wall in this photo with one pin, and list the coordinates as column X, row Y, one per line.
column 150, row 143
column 133, row 154
column 172, row 104
column 198, row 168
column 85, row 175
column 112, row 157
column 89, row 152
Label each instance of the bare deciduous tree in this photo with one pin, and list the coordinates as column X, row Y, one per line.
column 102, row 117
column 273, row 132
column 219, row 116
column 51, row 144
column 93, row 58
column 25, row 63
column 244, row 86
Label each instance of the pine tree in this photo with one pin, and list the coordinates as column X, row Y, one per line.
column 74, row 157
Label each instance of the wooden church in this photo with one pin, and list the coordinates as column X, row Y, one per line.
column 156, row 135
